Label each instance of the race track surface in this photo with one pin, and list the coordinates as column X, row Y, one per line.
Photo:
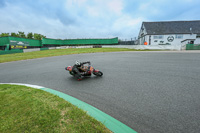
column 151, row 92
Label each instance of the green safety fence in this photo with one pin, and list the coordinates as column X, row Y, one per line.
column 52, row 41
column 91, row 41
column 4, row 40
column 193, row 47
column 23, row 43
column 29, row 42
column 48, row 41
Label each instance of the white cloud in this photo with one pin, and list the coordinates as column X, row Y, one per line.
column 126, row 21
column 115, row 6
column 19, row 20
column 91, row 18
column 96, row 8
column 93, row 11
column 127, row 25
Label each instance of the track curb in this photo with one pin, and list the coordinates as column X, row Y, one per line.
column 110, row 122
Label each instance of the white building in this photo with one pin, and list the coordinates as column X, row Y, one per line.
column 169, row 33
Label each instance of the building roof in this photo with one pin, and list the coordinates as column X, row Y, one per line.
column 172, row 27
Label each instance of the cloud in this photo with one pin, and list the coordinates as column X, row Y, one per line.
column 127, row 26
column 91, row 18
column 116, row 6
column 95, row 8
column 159, row 10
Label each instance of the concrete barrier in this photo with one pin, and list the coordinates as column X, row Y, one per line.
column 138, row 47
column 31, row 50
column 78, row 46
column 52, row 47
column 150, row 47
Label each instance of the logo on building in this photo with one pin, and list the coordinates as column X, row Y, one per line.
column 170, row 39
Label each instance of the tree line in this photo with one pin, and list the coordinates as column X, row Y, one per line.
column 23, row 35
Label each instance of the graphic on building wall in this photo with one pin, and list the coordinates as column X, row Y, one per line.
column 18, row 44
column 170, row 39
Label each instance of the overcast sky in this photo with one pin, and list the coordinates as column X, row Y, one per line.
column 70, row 19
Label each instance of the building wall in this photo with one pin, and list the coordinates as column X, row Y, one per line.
column 142, row 35
column 168, row 39
column 172, row 40
column 197, row 41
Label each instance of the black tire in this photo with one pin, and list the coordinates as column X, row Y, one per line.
column 71, row 73
column 99, row 73
column 78, row 76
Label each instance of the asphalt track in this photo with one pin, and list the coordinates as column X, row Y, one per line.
column 151, row 92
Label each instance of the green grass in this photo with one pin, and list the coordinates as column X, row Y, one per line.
column 24, row 109
column 56, row 52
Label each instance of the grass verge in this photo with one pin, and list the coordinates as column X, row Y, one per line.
column 24, row 109
column 56, row 52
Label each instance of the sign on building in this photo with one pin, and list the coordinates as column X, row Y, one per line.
column 18, row 44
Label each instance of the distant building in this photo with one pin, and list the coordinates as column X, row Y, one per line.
column 169, row 33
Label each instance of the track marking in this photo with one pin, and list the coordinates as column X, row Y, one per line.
column 110, row 122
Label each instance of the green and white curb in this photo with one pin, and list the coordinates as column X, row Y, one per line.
column 110, row 122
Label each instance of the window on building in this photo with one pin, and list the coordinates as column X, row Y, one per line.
column 179, row 36
column 198, row 35
column 158, row 37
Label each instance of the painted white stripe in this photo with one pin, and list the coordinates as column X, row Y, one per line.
column 28, row 85
column 110, row 122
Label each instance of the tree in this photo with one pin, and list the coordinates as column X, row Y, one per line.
column 38, row 36
column 43, row 36
column 21, row 34
column 14, row 34
column 30, row 35
column 4, row 34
